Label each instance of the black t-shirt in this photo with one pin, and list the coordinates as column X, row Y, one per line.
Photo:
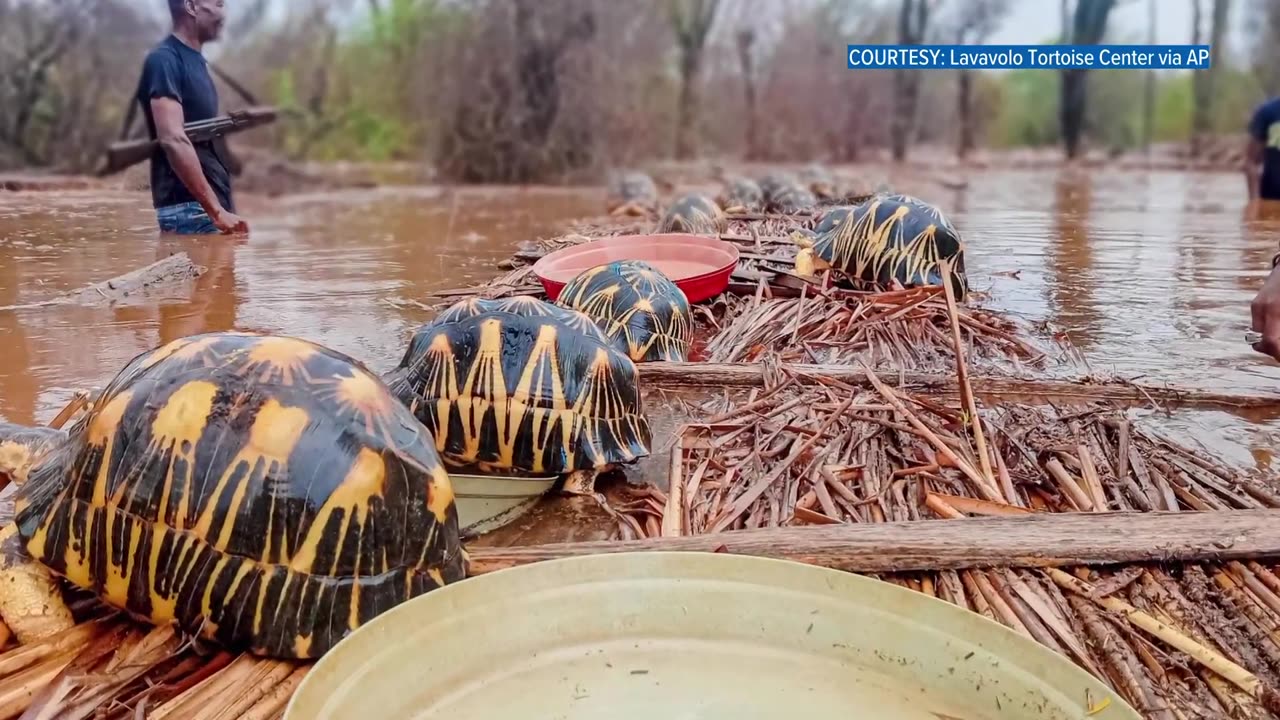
column 1265, row 128
column 175, row 70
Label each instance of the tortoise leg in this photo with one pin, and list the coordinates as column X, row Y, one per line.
column 630, row 209
column 580, row 482
column 30, row 600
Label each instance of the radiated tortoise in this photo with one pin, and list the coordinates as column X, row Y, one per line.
column 642, row 312
column 519, row 386
column 263, row 492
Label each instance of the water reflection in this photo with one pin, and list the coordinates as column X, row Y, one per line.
column 1151, row 274
column 1071, row 260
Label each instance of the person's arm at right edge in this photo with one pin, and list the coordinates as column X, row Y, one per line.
column 172, row 136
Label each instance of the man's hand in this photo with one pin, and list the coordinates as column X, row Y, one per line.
column 229, row 223
column 1266, row 316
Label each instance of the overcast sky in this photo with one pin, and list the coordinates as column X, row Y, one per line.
column 1034, row 21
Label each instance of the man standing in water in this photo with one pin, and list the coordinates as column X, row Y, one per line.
column 190, row 184
column 1262, row 156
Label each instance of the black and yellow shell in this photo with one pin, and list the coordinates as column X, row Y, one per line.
column 791, row 199
column 695, row 214
column 642, row 312
column 264, row 492
column 522, row 386
column 892, row 238
column 631, row 188
column 742, row 193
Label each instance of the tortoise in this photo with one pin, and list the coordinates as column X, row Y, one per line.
column 792, row 199
column 772, row 183
column 818, row 181
column 885, row 239
column 522, row 387
column 642, row 312
column 632, row 193
column 259, row 491
column 741, row 195
column 694, row 213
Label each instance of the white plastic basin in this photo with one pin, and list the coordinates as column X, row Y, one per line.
column 691, row 636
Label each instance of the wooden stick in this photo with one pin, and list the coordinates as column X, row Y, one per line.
column 673, row 520
column 962, row 378
column 1034, row 540
column 1208, row 657
column 753, row 374
column 987, row 491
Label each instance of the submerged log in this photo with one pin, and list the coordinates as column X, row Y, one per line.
column 173, row 269
column 1035, row 541
column 753, row 375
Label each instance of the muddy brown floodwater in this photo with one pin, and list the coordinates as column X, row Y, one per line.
column 1149, row 274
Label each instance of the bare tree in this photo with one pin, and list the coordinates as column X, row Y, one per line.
column 1204, row 81
column 913, row 22
column 974, row 20
column 1264, row 36
column 746, row 58
column 1088, row 26
column 1149, row 84
column 692, row 21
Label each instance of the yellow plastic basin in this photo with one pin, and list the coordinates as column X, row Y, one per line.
column 691, row 636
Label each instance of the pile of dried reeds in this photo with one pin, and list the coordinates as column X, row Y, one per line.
column 110, row 668
column 904, row 329
column 1187, row 642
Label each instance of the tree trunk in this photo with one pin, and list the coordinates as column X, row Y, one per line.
column 1088, row 27
column 1149, row 88
column 913, row 18
column 690, row 64
column 746, row 41
column 1036, row 540
column 1204, row 81
column 965, row 112
column 1074, row 95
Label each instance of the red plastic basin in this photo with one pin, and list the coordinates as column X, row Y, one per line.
column 699, row 265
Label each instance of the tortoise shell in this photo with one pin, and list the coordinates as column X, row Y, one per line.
column 631, row 187
column 264, row 492
column 773, row 183
column 695, row 214
column 20, row 447
column 892, row 238
column 791, row 199
column 742, row 193
column 642, row 312
column 524, row 387
column 819, row 181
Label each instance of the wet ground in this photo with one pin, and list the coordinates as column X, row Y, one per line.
column 1149, row 274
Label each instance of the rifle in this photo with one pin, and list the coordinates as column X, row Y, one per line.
column 127, row 153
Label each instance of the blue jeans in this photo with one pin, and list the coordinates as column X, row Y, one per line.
column 185, row 219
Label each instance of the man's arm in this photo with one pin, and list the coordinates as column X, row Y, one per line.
column 172, row 136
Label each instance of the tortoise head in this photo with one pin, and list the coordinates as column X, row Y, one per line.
column 21, row 448
column 807, row 262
